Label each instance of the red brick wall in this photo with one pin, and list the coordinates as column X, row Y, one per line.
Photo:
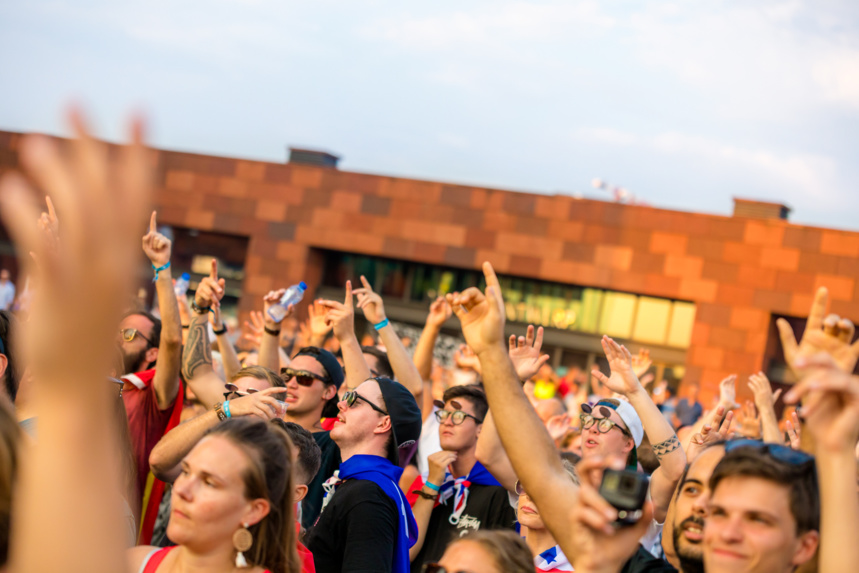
column 737, row 270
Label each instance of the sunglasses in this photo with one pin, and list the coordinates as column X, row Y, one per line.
column 352, row 396
column 128, row 335
column 783, row 454
column 233, row 390
column 302, row 377
column 604, row 425
column 518, row 488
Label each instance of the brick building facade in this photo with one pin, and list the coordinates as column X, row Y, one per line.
column 739, row 271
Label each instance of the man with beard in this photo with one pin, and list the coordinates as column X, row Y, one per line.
column 149, row 393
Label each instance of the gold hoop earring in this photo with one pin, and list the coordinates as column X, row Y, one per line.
column 243, row 539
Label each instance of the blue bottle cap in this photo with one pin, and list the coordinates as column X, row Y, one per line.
column 186, row 276
column 302, row 286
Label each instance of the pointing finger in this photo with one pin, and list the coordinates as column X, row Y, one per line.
column 153, row 224
column 348, row 302
column 213, row 274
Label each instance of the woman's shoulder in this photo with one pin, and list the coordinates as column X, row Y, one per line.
column 138, row 556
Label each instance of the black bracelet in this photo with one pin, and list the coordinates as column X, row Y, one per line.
column 424, row 494
column 272, row 332
column 221, row 331
column 186, row 326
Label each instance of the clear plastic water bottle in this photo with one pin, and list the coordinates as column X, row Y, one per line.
column 181, row 285
column 293, row 295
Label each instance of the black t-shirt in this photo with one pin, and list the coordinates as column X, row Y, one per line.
column 357, row 531
column 488, row 507
column 312, row 502
column 643, row 562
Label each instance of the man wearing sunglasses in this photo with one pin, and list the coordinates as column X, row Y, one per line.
column 460, row 495
column 366, row 523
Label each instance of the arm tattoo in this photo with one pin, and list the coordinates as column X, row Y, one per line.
column 197, row 352
column 666, row 447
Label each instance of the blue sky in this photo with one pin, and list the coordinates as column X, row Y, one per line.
column 686, row 104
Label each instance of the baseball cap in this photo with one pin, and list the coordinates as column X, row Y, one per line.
column 327, row 360
column 405, row 419
column 630, row 419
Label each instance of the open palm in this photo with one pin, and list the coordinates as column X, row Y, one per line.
column 622, row 379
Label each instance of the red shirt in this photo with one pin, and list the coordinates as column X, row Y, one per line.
column 147, row 423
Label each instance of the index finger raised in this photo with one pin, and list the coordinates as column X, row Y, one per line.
column 213, row 274
column 348, row 301
column 491, row 277
column 153, row 223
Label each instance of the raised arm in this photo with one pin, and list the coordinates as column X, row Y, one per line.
column 341, row 317
column 69, row 345
column 197, row 355
column 166, row 457
column 269, row 349
column 402, row 365
column 228, row 351
column 765, row 401
column 666, row 446
column 438, row 464
column 166, row 381
column 439, row 312
column 526, row 440
column 831, row 411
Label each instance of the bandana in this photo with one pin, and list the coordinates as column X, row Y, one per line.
column 458, row 489
column 552, row 560
column 385, row 475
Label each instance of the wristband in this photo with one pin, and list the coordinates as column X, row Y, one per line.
column 220, row 412
column 424, row 494
column 199, row 309
column 270, row 331
column 381, row 325
column 159, row 269
column 186, row 326
column 432, row 486
column 227, row 409
column 218, row 332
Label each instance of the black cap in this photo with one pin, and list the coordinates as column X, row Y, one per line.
column 327, row 360
column 406, row 419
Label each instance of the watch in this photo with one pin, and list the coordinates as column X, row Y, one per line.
column 220, row 412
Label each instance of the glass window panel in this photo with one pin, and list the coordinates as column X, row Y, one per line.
column 651, row 320
column 617, row 312
column 682, row 320
column 589, row 313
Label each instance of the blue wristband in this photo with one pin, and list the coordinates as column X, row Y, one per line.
column 381, row 325
column 159, row 269
column 226, row 407
column 432, row 486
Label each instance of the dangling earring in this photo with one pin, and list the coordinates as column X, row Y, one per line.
column 242, row 541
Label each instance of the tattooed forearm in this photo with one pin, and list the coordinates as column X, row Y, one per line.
column 197, row 352
column 666, row 447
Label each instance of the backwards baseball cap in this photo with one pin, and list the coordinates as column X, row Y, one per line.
column 327, row 360
column 405, row 419
column 630, row 419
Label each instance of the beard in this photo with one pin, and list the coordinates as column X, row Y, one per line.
column 690, row 561
column 131, row 362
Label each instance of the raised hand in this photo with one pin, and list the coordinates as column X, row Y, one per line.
column 558, row 426
column 438, row 464
column 830, row 404
column 750, row 424
column 340, row 316
column 370, row 302
column 641, row 362
column 317, row 322
column 728, row 392
column 465, row 358
column 49, row 224
column 831, row 335
column 254, row 329
column 211, row 288
column 156, row 246
column 481, row 316
column 718, row 430
column 525, row 353
column 623, row 379
column 439, row 312
column 270, row 299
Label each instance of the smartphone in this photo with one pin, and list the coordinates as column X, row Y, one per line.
column 627, row 491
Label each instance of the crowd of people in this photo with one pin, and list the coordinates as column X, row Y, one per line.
column 147, row 440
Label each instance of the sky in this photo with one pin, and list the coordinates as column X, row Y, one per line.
column 686, row 104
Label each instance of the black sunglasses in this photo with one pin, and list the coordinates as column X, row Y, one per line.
column 303, row 377
column 351, row 397
column 128, row 335
column 781, row 453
